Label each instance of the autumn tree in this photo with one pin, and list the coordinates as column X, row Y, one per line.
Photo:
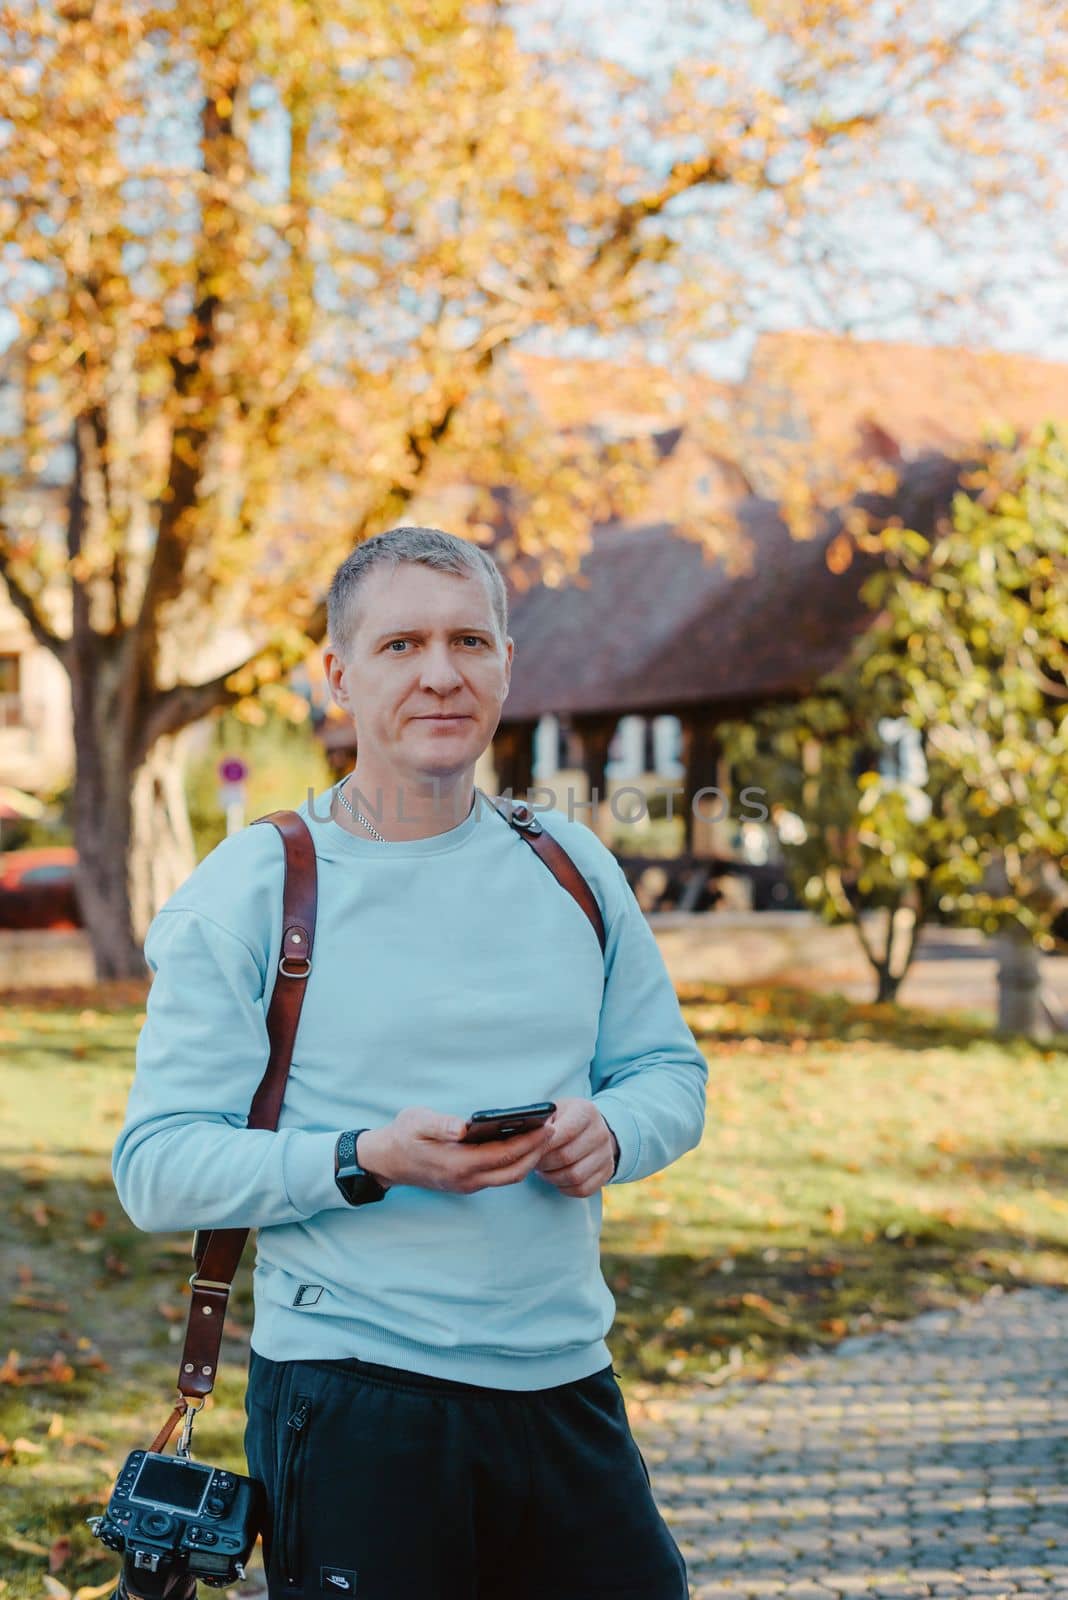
column 968, row 648
column 263, row 263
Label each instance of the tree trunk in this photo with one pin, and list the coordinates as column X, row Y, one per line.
column 1020, row 985
column 103, row 778
column 887, row 986
column 899, row 918
column 162, row 852
column 134, row 843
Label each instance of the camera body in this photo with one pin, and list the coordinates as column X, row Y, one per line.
column 170, row 1517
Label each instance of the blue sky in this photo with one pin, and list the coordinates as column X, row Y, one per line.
column 996, row 281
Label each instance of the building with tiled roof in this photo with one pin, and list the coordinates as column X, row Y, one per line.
column 627, row 668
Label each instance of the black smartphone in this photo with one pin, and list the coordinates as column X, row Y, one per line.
column 483, row 1126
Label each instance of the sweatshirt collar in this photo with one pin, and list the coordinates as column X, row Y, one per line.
column 321, row 810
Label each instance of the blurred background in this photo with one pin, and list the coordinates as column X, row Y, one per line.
column 738, row 334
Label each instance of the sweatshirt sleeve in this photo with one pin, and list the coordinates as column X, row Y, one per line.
column 649, row 1077
column 185, row 1157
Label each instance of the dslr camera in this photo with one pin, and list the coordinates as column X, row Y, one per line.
column 177, row 1522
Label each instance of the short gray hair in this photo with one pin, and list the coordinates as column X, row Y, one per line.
column 429, row 547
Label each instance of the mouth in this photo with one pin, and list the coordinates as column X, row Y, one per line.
column 443, row 719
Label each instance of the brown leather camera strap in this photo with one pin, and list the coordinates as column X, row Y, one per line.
column 217, row 1251
column 524, row 821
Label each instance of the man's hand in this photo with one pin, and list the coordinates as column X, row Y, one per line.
column 582, row 1156
column 422, row 1148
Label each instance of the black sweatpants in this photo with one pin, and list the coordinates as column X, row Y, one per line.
column 389, row 1485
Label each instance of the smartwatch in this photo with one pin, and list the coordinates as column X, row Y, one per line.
column 358, row 1186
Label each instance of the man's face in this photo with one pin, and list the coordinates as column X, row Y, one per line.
column 424, row 645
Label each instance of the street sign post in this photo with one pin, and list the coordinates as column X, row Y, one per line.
column 232, row 773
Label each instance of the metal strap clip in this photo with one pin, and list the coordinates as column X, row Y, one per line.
column 182, row 1447
column 207, row 1283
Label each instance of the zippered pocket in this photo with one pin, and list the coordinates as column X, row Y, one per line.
column 289, row 1486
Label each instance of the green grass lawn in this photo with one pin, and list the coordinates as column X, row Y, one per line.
column 860, row 1163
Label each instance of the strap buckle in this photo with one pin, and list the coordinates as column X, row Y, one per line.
column 207, row 1283
column 182, row 1447
column 295, row 934
column 523, row 816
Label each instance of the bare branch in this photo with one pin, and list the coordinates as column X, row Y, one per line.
column 683, row 176
column 27, row 603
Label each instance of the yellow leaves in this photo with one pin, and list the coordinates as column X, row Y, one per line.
column 839, row 553
column 17, row 1372
column 679, row 1317
column 31, row 1302
column 26, row 1547
column 772, row 1313
column 59, row 1554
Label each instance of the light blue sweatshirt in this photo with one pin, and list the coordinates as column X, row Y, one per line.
column 452, row 972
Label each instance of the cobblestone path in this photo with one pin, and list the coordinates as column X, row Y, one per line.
column 931, row 1459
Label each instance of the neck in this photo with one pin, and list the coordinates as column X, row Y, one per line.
column 404, row 811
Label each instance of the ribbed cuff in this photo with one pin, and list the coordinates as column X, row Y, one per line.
column 308, row 1172
column 623, row 1124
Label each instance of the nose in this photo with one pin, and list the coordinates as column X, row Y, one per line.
column 438, row 670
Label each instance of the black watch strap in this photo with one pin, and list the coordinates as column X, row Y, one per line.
column 358, row 1187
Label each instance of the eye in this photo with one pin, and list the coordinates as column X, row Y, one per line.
column 474, row 637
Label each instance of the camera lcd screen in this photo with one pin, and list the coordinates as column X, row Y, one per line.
column 170, row 1484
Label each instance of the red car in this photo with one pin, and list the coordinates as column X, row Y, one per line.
column 37, row 888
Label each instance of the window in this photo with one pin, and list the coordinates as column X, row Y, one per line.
column 625, row 758
column 667, row 747
column 546, row 747
column 10, row 696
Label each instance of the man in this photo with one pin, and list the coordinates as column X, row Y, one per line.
column 431, row 1403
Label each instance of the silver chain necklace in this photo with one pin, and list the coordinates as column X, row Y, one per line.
column 358, row 814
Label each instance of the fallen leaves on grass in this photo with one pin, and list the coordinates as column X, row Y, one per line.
column 30, row 1302
column 16, row 1373
column 678, row 1317
column 759, row 1302
column 25, row 1547
column 36, row 1173
column 59, row 1554
column 829, row 1267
